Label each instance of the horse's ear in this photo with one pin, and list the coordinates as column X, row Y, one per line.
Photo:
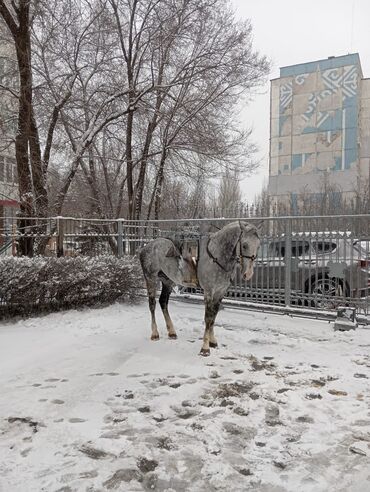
column 251, row 226
column 173, row 252
column 222, row 243
column 259, row 224
column 246, row 226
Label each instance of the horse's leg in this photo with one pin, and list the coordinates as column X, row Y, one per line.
column 212, row 339
column 163, row 301
column 151, row 288
column 211, row 310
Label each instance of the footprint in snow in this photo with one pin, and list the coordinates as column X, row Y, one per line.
column 113, row 434
column 95, row 453
column 174, row 385
column 122, row 475
column 33, row 424
column 146, row 465
column 185, row 412
column 144, row 409
column 26, row 451
column 127, row 395
column 114, row 419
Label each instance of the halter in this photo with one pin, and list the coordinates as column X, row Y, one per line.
column 238, row 258
column 252, row 257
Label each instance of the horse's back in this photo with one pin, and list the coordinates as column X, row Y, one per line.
column 162, row 258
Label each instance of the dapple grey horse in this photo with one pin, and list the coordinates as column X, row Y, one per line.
column 219, row 254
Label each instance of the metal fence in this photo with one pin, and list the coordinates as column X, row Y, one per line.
column 315, row 263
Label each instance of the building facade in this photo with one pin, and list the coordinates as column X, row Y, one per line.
column 8, row 128
column 319, row 130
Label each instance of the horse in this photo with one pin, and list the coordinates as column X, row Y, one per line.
column 219, row 254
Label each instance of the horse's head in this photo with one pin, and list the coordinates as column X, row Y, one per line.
column 237, row 241
column 249, row 243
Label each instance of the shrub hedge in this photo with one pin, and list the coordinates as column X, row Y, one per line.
column 35, row 284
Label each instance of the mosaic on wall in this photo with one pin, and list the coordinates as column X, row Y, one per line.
column 316, row 116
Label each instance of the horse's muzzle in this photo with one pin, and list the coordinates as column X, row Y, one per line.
column 248, row 274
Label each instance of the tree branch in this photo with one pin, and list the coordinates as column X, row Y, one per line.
column 8, row 18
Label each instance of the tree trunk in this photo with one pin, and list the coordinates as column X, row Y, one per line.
column 38, row 176
column 129, row 164
column 22, row 42
column 160, row 179
column 142, row 172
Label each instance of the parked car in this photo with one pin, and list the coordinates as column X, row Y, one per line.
column 325, row 268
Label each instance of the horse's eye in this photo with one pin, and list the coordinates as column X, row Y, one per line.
column 245, row 246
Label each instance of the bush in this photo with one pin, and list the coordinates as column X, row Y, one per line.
column 31, row 284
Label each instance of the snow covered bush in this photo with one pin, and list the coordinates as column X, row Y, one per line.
column 28, row 284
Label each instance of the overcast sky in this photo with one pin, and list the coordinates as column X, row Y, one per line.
column 298, row 31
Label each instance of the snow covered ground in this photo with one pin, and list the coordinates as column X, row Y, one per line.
column 89, row 403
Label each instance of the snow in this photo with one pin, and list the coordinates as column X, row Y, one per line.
column 89, row 403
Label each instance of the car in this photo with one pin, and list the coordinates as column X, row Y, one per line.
column 325, row 269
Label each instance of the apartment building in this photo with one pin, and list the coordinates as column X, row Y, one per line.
column 319, row 130
column 8, row 127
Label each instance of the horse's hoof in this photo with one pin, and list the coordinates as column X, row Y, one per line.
column 213, row 344
column 154, row 337
column 172, row 336
column 205, row 352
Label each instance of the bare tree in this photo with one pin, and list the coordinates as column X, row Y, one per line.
column 229, row 195
column 201, row 63
column 126, row 96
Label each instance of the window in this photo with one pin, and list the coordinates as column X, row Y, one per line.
column 277, row 250
column 299, row 248
column 263, row 251
column 13, row 164
column 2, row 169
column 9, row 171
column 322, row 247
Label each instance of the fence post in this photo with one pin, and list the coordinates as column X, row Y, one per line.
column 60, row 237
column 119, row 238
column 288, row 260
